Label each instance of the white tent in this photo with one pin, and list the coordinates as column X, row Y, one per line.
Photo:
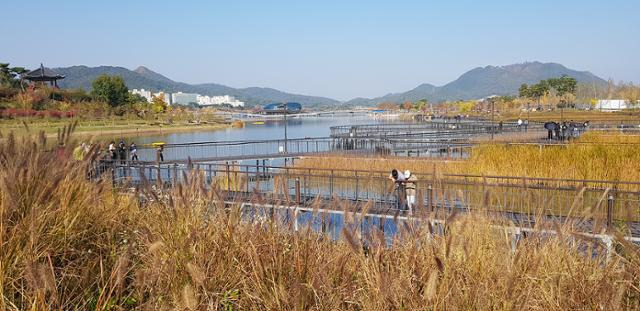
column 612, row 104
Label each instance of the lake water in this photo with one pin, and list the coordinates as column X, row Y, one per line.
column 271, row 129
column 268, row 130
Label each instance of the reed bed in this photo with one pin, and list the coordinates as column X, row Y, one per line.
column 596, row 156
column 70, row 243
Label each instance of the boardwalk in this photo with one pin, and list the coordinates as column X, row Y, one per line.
column 421, row 140
column 602, row 203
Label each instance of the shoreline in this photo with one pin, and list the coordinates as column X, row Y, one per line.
column 129, row 132
column 125, row 131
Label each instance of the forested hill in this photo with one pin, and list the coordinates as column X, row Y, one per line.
column 144, row 78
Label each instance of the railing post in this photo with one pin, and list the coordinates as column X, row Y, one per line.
column 298, row 196
column 169, row 179
column 247, row 171
column 175, row 173
column 357, row 186
column 142, row 172
column 228, row 177
column 610, row 202
column 158, row 176
column 331, row 184
column 430, row 196
column 295, row 219
column 113, row 175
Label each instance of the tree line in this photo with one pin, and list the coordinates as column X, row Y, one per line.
column 563, row 87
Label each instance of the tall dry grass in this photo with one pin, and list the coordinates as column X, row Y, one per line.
column 596, row 156
column 70, row 243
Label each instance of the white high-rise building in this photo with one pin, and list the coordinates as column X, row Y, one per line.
column 189, row 98
column 184, row 98
column 142, row 92
column 148, row 95
column 219, row 100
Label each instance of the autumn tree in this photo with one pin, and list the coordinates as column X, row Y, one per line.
column 158, row 105
column 407, row 105
column 388, row 106
column 421, row 105
column 466, row 106
column 630, row 93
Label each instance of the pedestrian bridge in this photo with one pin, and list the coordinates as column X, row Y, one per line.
column 592, row 204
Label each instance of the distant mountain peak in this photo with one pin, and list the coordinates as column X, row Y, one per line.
column 150, row 74
column 489, row 80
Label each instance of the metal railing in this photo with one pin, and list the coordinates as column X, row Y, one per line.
column 523, row 199
column 265, row 149
column 419, row 129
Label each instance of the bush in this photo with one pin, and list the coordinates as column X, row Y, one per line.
column 7, row 93
column 71, row 95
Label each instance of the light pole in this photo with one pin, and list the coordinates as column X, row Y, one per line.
column 492, row 115
column 284, row 107
column 526, row 128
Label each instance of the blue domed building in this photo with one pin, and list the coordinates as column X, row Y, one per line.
column 275, row 108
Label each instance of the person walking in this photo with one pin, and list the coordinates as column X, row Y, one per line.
column 159, row 153
column 122, row 151
column 112, row 151
column 410, row 189
column 133, row 151
column 398, row 178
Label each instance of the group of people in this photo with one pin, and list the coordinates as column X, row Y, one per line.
column 565, row 130
column 405, row 187
column 119, row 151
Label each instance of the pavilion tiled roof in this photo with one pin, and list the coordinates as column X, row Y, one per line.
column 41, row 74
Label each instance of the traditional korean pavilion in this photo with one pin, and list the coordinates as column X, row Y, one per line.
column 43, row 75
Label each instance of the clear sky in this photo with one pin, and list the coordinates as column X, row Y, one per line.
column 340, row 49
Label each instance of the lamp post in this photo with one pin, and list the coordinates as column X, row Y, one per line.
column 492, row 121
column 526, row 128
column 284, row 106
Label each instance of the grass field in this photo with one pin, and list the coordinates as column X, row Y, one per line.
column 68, row 243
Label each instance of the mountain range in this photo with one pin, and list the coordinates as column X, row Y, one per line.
column 485, row 81
column 144, row 78
column 476, row 83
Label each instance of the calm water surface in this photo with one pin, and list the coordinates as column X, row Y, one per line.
column 271, row 129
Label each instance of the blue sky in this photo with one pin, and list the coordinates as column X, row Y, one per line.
column 339, row 49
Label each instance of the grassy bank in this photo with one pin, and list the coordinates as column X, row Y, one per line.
column 105, row 127
column 68, row 243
